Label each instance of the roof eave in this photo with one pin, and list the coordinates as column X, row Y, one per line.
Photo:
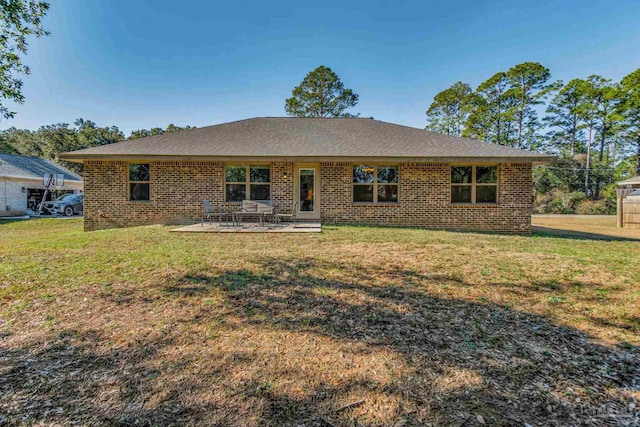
column 80, row 158
column 33, row 178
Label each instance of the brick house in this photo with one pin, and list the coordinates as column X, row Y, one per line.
column 360, row 171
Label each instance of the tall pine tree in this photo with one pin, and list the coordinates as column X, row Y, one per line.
column 450, row 109
column 564, row 120
column 492, row 113
column 629, row 109
column 528, row 84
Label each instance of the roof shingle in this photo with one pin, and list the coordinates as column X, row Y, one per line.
column 33, row 167
column 291, row 137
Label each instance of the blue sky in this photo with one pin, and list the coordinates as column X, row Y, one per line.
column 140, row 64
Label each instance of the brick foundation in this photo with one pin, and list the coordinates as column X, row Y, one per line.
column 424, row 196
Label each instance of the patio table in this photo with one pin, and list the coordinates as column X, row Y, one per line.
column 237, row 217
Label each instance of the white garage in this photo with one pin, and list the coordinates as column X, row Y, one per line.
column 22, row 186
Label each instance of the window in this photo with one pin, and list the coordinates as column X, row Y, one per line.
column 375, row 184
column 139, row 181
column 247, row 182
column 474, row 184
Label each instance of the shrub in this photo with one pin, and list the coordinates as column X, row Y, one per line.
column 593, row 207
column 558, row 202
column 562, row 202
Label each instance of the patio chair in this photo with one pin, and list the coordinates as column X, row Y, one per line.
column 288, row 216
column 209, row 213
column 257, row 208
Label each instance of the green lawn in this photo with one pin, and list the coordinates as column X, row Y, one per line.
column 412, row 327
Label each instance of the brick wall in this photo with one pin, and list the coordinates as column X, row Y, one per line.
column 424, row 193
column 281, row 187
column 176, row 192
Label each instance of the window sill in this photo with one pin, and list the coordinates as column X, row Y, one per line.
column 240, row 202
column 139, row 201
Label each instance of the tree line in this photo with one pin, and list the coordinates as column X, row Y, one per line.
column 592, row 125
column 582, row 115
column 51, row 140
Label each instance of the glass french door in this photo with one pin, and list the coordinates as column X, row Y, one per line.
column 306, row 191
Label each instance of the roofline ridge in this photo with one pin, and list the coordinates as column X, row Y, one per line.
column 317, row 118
column 194, row 128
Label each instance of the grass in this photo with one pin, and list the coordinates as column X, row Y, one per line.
column 354, row 326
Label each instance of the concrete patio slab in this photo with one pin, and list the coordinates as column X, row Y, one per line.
column 307, row 227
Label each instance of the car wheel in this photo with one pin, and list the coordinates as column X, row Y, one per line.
column 68, row 211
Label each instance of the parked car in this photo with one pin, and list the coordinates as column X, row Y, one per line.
column 68, row 204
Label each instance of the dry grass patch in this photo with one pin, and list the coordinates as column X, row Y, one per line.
column 366, row 326
column 589, row 227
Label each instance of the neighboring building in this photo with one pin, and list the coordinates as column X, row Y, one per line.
column 630, row 183
column 339, row 170
column 21, row 182
column 629, row 203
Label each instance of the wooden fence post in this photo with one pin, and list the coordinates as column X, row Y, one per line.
column 619, row 206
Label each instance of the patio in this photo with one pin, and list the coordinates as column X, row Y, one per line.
column 216, row 227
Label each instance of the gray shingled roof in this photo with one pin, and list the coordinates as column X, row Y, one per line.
column 33, row 167
column 290, row 137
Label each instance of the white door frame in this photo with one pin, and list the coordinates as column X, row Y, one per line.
column 316, row 190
